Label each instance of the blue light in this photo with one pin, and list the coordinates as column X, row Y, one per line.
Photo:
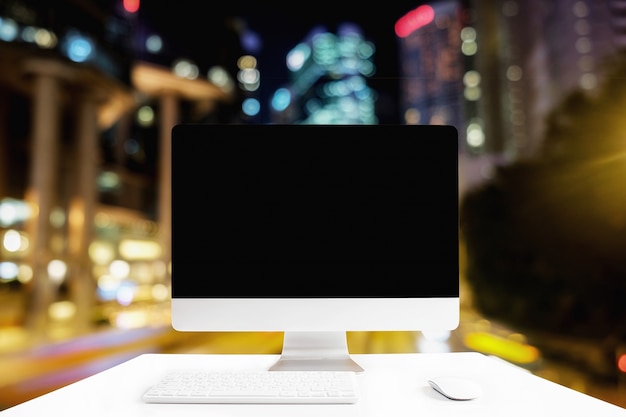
column 79, row 48
column 281, row 99
column 251, row 107
column 251, row 41
column 8, row 29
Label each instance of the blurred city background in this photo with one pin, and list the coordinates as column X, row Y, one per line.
column 89, row 90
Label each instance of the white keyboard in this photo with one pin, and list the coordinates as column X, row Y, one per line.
column 263, row 387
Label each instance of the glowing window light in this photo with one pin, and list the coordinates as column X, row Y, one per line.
column 145, row 116
column 79, row 48
column 298, row 56
column 349, row 64
column 12, row 241
column 412, row 116
column 101, row 253
column 357, row 83
column 8, row 29
column 472, row 93
column 251, row 86
column 251, row 107
column 8, row 271
column 159, row 269
column 367, row 68
column 160, row 292
column 45, row 39
column 154, row 44
column 119, row 269
column 25, row 274
column 335, row 89
column 57, row 217
column 28, row 34
column 475, row 136
column 325, row 49
column 468, row 33
column 219, row 76
column 107, row 287
column 471, row 78
column 469, row 48
column 132, row 249
column 108, row 180
column 57, row 270
column 13, row 211
column 414, row 20
column 184, row 68
column 312, row 106
column 514, row 73
column 365, row 95
column 126, row 293
column 132, row 319
column 366, row 50
column 249, row 76
column 8, row 213
column 142, row 273
column 250, row 40
column 62, row 310
column 246, row 62
column 588, row 81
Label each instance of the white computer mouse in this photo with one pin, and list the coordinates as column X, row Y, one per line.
column 456, row 388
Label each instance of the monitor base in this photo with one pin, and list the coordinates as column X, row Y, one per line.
column 315, row 351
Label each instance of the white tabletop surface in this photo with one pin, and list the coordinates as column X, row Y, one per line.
column 392, row 385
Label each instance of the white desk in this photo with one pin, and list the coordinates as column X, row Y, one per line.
column 393, row 385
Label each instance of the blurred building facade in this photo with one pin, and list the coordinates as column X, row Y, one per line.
column 530, row 55
column 496, row 69
column 79, row 197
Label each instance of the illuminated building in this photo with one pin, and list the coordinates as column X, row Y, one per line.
column 431, row 65
column 74, row 174
column 328, row 83
column 535, row 53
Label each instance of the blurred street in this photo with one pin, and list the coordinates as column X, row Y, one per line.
column 31, row 369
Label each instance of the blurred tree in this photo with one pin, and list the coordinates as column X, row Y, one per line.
column 546, row 238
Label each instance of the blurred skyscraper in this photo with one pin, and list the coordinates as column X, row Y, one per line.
column 84, row 178
column 530, row 55
column 496, row 69
column 329, row 80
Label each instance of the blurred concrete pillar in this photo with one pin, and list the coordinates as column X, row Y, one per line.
column 4, row 145
column 41, row 191
column 160, row 82
column 169, row 117
column 82, row 208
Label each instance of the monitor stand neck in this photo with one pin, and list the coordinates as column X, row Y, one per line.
column 315, row 351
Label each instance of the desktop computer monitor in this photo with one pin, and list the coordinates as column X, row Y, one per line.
column 314, row 231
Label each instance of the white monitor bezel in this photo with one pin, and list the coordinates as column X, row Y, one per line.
column 315, row 314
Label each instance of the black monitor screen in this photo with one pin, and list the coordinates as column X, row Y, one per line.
column 314, row 211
